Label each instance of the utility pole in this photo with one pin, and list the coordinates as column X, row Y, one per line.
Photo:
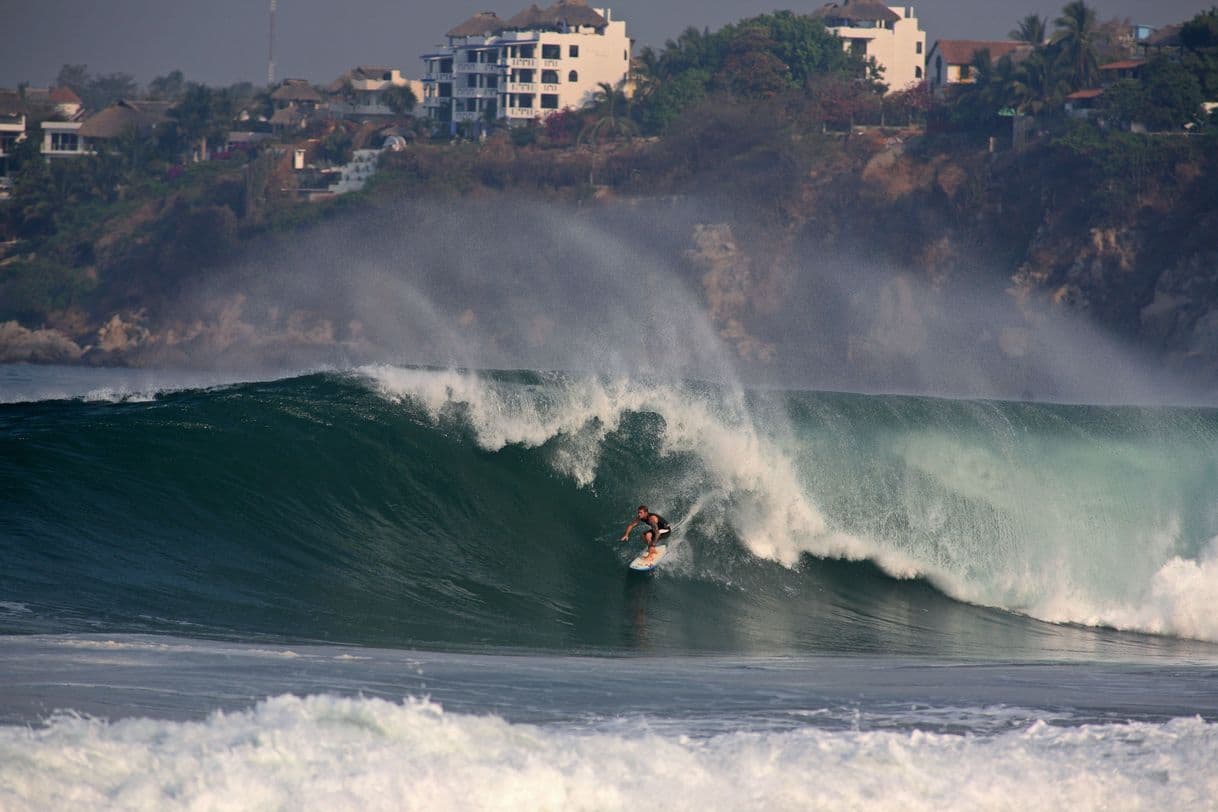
column 270, row 47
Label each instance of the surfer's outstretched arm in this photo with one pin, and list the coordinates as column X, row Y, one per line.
column 626, row 535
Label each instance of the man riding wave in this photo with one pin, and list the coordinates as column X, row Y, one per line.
column 657, row 529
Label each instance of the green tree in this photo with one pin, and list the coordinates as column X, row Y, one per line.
column 1173, row 95
column 608, row 115
column 167, row 87
column 106, row 89
column 1075, row 40
column 400, row 99
column 203, row 113
column 75, row 77
column 1039, row 83
column 1033, row 29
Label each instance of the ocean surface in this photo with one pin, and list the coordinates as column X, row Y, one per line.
column 402, row 588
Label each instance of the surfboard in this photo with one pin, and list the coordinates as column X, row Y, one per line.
column 642, row 564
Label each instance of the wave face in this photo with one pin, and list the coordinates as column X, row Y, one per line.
column 406, row 506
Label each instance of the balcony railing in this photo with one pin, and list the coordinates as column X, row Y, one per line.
column 476, row 92
column 521, row 87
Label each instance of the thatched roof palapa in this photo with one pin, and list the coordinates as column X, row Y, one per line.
column 481, row 24
column 857, row 11
column 563, row 14
column 296, row 90
column 124, row 116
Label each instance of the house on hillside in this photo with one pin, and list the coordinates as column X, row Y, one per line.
column 55, row 102
column 12, row 127
column 950, row 61
column 296, row 103
column 74, row 138
column 889, row 34
column 524, row 68
column 361, row 91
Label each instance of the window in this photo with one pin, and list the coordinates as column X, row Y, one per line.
column 938, row 70
column 917, row 72
column 64, row 142
column 446, row 90
column 549, row 77
column 573, row 51
column 551, row 52
column 471, row 56
column 549, row 101
column 524, row 100
column 919, row 48
column 492, row 81
column 527, row 51
column 966, row 71
column 471, row 80
column 573, row 76
column 525, row 76
column 446, row 66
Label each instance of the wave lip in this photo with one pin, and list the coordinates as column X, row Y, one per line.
column 324, row 752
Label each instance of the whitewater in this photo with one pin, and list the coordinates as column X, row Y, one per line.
column 400, row 587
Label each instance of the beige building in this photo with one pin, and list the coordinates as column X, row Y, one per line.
column 360, row 92
column 889, row 34
column 950, row 61
column 527, row 67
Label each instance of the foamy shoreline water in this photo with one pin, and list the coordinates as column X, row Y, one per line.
column 325, row 752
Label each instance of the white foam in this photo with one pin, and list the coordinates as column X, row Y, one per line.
column 1020, row 544
column 335, row 754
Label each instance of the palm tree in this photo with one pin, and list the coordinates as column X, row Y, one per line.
column 1032, row 29
column 1040, row 82
column 610, row 114
column 1075, row 39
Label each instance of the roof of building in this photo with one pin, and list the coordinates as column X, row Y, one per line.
column 123, row 116
column 64, row 95
column 1088, row 93
column 961, row 51
column 11, row 103
column 857, row 11
column 1166, row 37
column 484, row 22
column 289, row 117
column 561, row 15
column 1124, row 64
column 296, row 90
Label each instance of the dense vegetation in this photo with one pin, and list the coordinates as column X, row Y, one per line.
column 760, row 115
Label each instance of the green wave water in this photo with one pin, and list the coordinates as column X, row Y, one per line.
column 409, row 507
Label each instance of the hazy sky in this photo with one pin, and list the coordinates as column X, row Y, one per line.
column 224, row 41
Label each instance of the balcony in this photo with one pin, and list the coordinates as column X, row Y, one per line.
column 476, row 92
column 467, row 116
column 478, row 67
column 521, row 87
column 437, row 101
column 522, row 113
column 520, row 63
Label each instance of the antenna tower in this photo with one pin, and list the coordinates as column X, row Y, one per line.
column 270, row 47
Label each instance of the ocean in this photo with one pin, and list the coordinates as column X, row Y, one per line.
column 394, row 587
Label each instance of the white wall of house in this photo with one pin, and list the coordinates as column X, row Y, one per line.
column 524, row 75
column 901, row 50
column 60, row 139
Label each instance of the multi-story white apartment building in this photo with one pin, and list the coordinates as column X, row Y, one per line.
column 890, row 34
column 524, row 68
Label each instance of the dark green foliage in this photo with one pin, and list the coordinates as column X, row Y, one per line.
column 167, row 87
column 757, row 58
column 401, row 100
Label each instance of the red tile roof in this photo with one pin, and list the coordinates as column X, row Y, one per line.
column 960, row 51
column 1124, row 64
column 64, row 95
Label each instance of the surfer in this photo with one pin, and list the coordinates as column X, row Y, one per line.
column 657, row 528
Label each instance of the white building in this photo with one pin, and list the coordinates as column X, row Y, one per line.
column 889, row 34
column 525, row 68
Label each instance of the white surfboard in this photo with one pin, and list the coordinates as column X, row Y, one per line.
column 645, row 564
